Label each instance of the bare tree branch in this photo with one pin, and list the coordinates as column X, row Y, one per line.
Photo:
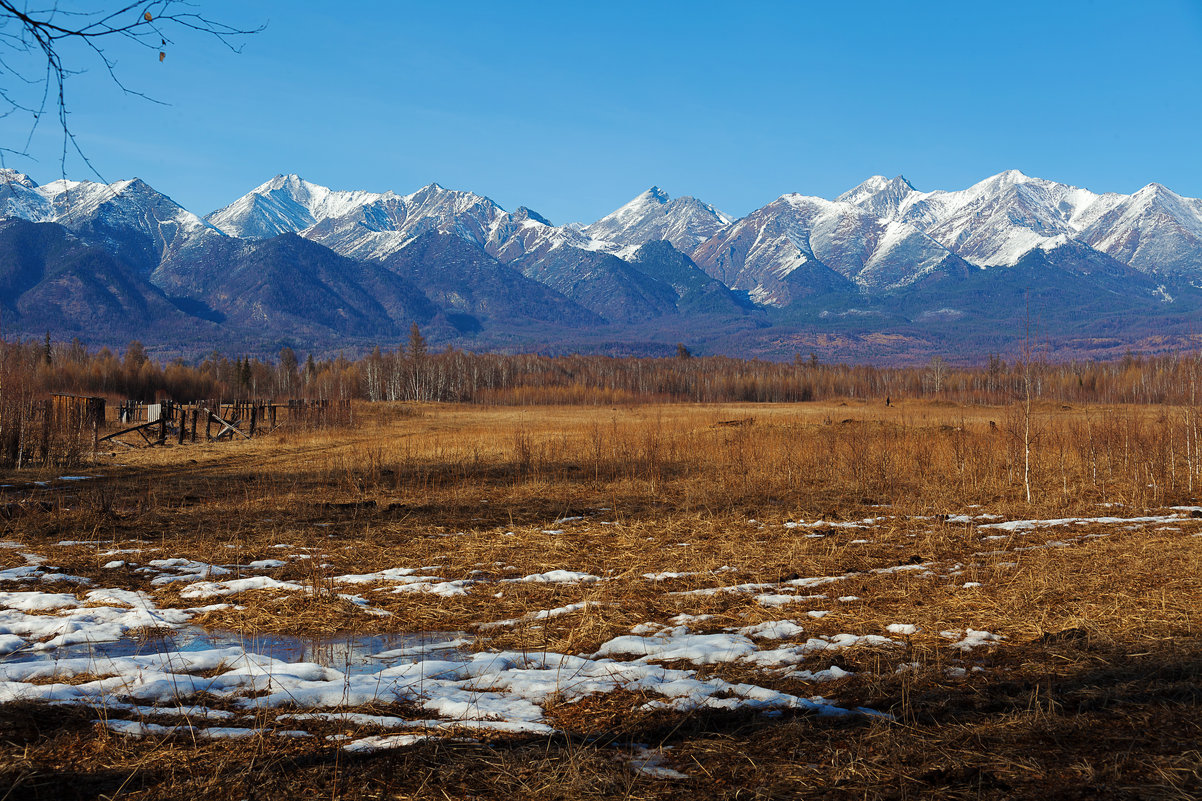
column 40, row 37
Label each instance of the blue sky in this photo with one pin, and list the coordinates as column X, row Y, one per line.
column 572, row 109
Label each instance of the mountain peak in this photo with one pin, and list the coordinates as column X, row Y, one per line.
column 8, row 176
column 685, row 222
column 434, row 192
column 136, row 184
column 879, row 183
column 284, row 204
column 290, row 179
column 1154, row 189
column 879, row 195
column 656, row 194
column 1008, row 177
column 439, row 201
column 523, row 213
column 291, row 183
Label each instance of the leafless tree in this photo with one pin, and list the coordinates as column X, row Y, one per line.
column 938, row 369
column 43, row 47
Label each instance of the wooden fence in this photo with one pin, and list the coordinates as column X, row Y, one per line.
column 65, row 428
column 59, row 430
column 215, row 420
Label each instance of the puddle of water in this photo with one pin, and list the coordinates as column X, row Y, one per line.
column 348, row 653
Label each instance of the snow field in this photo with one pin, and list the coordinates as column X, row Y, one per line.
column 84, row 647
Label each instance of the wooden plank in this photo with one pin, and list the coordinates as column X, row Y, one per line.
column 128, row 430
column 228, row 426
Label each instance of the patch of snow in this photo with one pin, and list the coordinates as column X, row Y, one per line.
column 772, row 630
column 904, row 629
column 210, row 589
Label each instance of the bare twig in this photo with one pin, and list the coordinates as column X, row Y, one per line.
column 35, row 65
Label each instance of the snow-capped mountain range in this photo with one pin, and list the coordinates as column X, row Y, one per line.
column 881, row 235
column 1001, row 219
column 375, row 225
column 129, row 217
column 807, row 258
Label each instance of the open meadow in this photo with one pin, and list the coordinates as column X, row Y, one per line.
column 835, row 599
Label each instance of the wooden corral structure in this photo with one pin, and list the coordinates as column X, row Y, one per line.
column 211, row 421
column 79, row 410
column 63, row 429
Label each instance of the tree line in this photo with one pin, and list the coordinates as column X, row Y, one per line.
column 411, row 372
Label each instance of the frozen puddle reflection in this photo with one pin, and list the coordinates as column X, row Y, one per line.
column 350, row 652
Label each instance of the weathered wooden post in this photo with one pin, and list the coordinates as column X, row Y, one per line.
column 45, row 448
column 97, row 405
column 22, row 414
column 254, row 415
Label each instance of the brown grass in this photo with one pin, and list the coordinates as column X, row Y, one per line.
column 1093, row 693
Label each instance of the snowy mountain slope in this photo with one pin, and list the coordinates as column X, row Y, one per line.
column 354, row 223
column 993, row 222
column 880, row 236
column 999, row 220
column 286, row 204
column 368, row 225
column 686, row 222
column 583, row 269
column 763, row 252
column 1154, row 230
column 385, row 224
column 526, row 236
column 381, row 227
column 20, row 199
column 879, row 195
column 128, row 218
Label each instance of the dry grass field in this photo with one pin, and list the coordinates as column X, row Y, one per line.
column 821, row 600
